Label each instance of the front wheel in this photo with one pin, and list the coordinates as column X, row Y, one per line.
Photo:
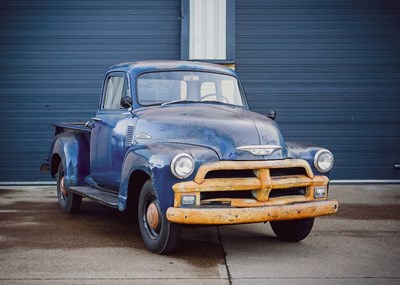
column 294, row 230
column 69, row 202
column 158, row 234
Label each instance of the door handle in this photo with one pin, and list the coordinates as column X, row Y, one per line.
column 97, row 119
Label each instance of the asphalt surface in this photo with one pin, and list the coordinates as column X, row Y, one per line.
column 40, row 245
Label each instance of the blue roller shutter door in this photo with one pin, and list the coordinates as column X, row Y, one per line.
column 53, row 55
column 331, row 70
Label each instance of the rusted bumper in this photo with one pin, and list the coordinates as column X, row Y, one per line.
column 256, row 203
column 226, row 216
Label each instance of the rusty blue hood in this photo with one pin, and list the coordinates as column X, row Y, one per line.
column 218, row 127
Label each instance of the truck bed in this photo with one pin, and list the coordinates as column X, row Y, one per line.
column 71, row 126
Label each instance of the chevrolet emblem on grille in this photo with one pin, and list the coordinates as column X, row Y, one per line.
column 260, row 149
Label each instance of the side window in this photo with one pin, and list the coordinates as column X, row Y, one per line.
column 116, row 88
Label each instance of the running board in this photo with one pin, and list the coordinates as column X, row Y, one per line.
column 99, row 195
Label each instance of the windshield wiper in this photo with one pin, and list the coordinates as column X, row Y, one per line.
column 218, row 102
column 177, row 102
column 192, row 101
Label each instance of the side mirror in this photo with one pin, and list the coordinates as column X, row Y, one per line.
column 271, row 115
column 126, row 102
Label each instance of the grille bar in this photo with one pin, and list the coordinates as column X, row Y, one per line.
column 240, row 184
column 252, row 165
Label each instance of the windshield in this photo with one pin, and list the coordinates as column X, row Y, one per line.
column 170, row 86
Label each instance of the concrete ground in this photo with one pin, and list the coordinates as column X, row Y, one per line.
column 40, row 245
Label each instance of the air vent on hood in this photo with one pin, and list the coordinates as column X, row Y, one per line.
column 129, row 135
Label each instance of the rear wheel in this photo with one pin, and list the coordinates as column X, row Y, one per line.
column 159, row 235
column 294, row 230
column 69, row 202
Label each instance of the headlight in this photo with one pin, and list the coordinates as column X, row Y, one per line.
column 182, row 165
column 323, row 160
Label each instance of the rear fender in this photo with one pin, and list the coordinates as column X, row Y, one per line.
column 73, row 149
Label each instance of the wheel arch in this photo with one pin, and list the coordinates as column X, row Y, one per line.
column 54, row 163
column 135, row 184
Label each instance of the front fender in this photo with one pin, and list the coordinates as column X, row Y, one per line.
column 73, row 149
column 306, row 152
column 154, row 160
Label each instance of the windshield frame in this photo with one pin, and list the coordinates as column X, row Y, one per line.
column 244, row 103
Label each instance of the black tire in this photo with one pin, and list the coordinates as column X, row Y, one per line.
column 294, row 230
column 69, row 202
column 164, row 236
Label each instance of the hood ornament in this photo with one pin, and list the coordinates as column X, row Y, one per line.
column 260, row 149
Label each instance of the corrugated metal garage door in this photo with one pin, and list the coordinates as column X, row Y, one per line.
column 52, row 58
column 331, row 70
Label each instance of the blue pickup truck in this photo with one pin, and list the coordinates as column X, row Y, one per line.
column 175, row 143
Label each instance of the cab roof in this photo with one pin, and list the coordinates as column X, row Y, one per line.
column 135, row 68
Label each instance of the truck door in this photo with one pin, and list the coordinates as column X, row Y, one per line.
column 107, row 145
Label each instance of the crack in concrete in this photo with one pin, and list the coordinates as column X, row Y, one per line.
column 224, row 253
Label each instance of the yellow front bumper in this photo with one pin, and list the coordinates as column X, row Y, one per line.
column 262, row 208
column 227, row 216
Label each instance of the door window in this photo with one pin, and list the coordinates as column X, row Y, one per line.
column 116, row 88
